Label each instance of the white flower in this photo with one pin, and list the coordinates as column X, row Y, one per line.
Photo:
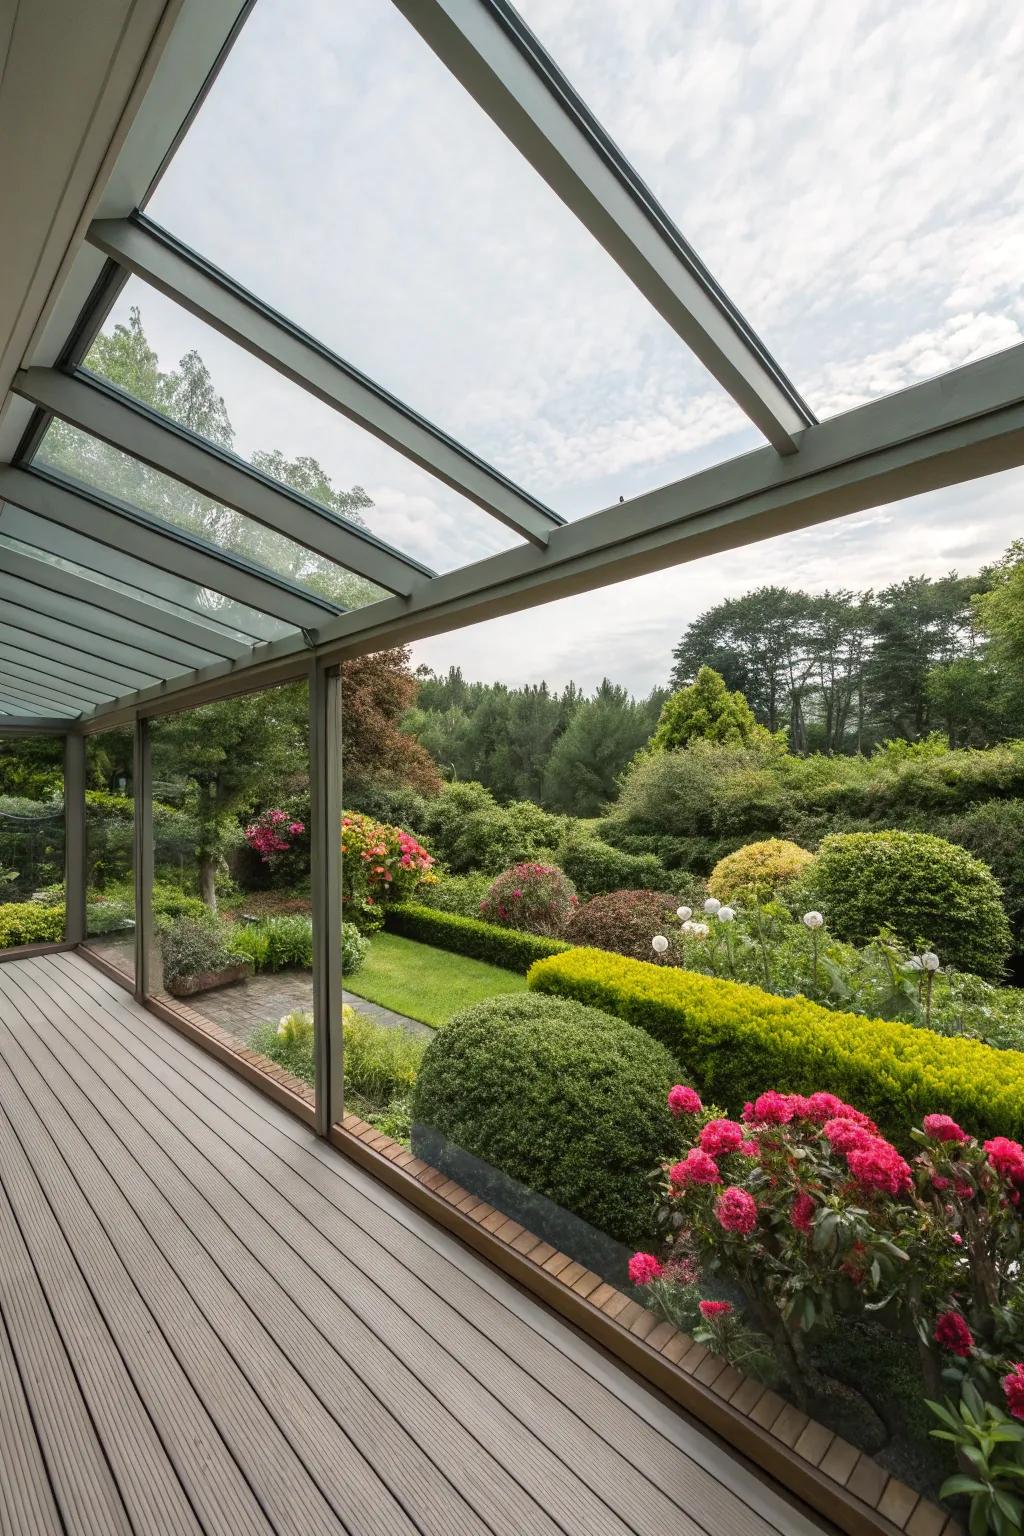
column 684, row 914
column 725, row 914
column 929, row 960
column 283, row 1019
column 914, row 963
column 659, row 943
column 699, row 930
column 688, row 926
column 813, row 920
column 711, row 906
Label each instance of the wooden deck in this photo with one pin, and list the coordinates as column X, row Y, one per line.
column 212, row 1321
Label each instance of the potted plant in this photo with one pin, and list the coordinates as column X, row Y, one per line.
column 197, row 956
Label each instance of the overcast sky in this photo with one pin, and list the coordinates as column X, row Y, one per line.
column 852, row 173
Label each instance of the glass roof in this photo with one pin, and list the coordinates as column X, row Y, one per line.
column 158, row 352
column 78, row 456
column 856, row 187
column 421, row 247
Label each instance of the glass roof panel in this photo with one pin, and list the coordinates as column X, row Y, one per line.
column 856, row 187
column 362, row 192
column 136, row 578
column 158, row 352
column 95, row 464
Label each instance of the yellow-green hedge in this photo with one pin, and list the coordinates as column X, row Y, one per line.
column 736, row 1041
column 26, row 922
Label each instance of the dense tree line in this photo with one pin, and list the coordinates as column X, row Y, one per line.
column 564, row 750
column 841, row 671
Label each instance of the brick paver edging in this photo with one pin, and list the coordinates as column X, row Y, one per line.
column 826, row 1471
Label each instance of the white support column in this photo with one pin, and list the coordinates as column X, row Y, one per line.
column 325, row 769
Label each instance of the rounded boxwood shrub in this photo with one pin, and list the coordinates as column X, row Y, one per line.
column 623, row 921
column 928, row 891
column 567, row 1100
column 595, row 866
column 758, row 871
column 534, row 897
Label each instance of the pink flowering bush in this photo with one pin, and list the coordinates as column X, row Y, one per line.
column 379, row 864
column 536, row 898
column 272, row 833
column 806, row 1211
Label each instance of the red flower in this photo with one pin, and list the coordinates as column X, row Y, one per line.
column 845, row 1135
column 696, row 1168
column 942, row 1128
column 1006, row 1157
column 684, row 1101
column 712, row 1309
column 801, row 1212
column 877, row 1165
column 1013, row 1389
column 721, row 1136
column 643, row 1268
column 770, row 1108
column 736, row 1210
column 952, row 1333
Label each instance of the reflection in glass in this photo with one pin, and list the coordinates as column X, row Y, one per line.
column 31, row 840
column 231, row 872
column 109, row 848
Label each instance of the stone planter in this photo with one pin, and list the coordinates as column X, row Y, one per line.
column 206, row 981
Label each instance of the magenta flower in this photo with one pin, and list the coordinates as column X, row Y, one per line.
column 876, row 1165
column 770, row 1108
column 644, row 1267
column 801, row 1212
column 721, row 1136
column 696, row 1168
column 1013, row 1390
column 1006, row 1157
column 684, row 1101
column 952, row 1334
column 713, row 1309
column 736, row 1210
column 942, row 1128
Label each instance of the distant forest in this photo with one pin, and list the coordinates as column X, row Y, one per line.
column 838, row 672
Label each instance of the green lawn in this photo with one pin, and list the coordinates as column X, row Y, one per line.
column 426, row 983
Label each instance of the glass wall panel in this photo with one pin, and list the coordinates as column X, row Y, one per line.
column 853, row 187
column 31, row 840
column 109, row 847
column 231, row 872
column 426, row 251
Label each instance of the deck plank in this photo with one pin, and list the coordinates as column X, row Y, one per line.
column 311, row 1354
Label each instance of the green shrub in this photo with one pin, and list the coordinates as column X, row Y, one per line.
column 276, row 943
column 467, row 829
column 930, row 893
column 26, row 922
column 171, row 901
column 994, row 832
column 381, row 1064
column 624, row 921
column 566, row 1100
column 355, row 947
column 535, row 898
column 758, row 871
column 737, row 1038
column 289, row 1047
column 595, row 867
column 190, row 945
column 461, row 894
column 506, row 947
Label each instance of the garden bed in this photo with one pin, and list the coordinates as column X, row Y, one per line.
column 209, row 981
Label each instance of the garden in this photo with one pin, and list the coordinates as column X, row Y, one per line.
column 749, row 1043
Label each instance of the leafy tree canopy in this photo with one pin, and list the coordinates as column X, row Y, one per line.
column 706, row 711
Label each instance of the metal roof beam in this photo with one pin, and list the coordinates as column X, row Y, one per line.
column 56, row 613
column 498, row 60
column 25, row 627
column 180, row 554
column 154, row 255
column 146, row 616
column 107, row 413
column 39, row 697
column 14, row 664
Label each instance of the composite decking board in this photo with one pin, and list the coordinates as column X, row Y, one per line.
column 642, row 1506
column 290, row 1497
column 27, row 1506
column 150, row 1491
column 172, row 1080
column 82, row 1482
column 650, row 1450
column 439, row 1506
column 386, row 1340
column 355, row 1491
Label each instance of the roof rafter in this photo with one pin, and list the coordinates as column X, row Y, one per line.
column 175, row 551
column 51, row 698
column 151, row 253
column 104, row 412
column 501, row 64
column 14, row 664
column 18, row 629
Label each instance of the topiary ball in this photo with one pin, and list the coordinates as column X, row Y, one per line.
column 626, row 922
column 564, row 1098
column 759, row 871
column 930, row 893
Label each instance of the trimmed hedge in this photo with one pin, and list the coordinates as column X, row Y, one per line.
column 26, row 922
column 564, row 1099
column 595, row 867
column 740, row 1041
column 507, row 947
